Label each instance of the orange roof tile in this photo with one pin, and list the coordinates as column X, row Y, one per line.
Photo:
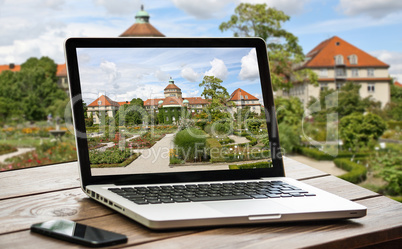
column 123, row 103
column 323, row 55
column 196, row 101
column 142, row 29
column 7, row 67
column 172, row 101
column 106, row 101
column 150, row 102
column 396, row 83
column 61, row 70
column 240, row 94
column 172, row 86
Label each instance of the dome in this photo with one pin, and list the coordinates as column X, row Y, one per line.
column 185, row 101
column 160, row 102
column 142, row 16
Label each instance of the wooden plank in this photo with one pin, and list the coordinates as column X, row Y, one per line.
column 19, row 213
column 341, row 188
column 299, row 171
column 384, row 222
column 38, row 180
column 65, row 176
column 136, row 234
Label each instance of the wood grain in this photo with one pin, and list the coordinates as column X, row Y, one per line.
column 38, row 180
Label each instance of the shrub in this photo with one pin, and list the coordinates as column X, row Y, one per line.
column 258, row 165
column 174, row 160
column 190, row 143
column 214, row 149
column 356, row 172
column 6, row 148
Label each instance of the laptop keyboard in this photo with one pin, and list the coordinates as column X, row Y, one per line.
column 210, row 192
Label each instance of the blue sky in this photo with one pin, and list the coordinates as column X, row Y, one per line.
column 126, row 73
column 34, row 28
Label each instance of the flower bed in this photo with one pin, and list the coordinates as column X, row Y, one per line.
column 112, row 157
column 44, row 154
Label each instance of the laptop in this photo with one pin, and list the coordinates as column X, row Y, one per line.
column 182, row 132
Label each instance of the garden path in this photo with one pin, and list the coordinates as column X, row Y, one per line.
column 238, row 139
column 111, row 144
column 16, row 153
column 326, row 166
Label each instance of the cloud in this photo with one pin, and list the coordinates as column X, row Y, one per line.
column 249, row 66
column 119, row 7
column 394, row 59
column 111, row 70
column 219, row 69
column 161, row 75
column 203, row 9
column 374, row 8
column 290, row 7
column 189, row 74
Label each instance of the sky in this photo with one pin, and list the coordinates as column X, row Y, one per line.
column 35, row 28
column 126, row 73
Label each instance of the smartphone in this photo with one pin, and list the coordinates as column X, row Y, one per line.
column 78, row 233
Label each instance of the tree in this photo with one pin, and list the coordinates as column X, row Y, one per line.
column 394, row 108
column 357, row 130
column 283, row 49
column 289, row 110
column 218, row 97
column 33, row 92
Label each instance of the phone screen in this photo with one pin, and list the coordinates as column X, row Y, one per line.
column 79, row 233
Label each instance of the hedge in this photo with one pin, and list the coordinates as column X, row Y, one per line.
column 392, row 124
column 214, row 150
column 356, row 172
column 236, row 157
column 319, row 155
column 258, row 165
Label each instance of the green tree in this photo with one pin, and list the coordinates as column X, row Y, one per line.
column 357, row 130
column 218, row 97
column 289, row 110
column 283, row 49
column 394, row 108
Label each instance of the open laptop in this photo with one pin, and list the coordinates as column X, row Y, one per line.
column 182, row 132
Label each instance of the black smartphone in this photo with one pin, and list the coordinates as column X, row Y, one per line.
column 78, row 233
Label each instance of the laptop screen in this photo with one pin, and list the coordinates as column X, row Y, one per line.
column 173, row 109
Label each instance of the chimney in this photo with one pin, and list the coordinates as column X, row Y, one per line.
column 11, row 66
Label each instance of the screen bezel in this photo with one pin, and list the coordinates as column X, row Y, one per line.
column 87, row 178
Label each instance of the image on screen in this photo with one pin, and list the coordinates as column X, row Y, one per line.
column 160, row 110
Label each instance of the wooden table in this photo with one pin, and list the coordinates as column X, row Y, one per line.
column 39, row 194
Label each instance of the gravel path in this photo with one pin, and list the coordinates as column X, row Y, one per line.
column 326, row 166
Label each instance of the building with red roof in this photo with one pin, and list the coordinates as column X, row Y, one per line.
column 336, row 62
column 102, row 104
column 396, row 83
column 243, row 99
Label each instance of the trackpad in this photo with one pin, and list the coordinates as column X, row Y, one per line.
column 252, row 207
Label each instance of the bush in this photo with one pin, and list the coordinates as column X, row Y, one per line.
column 110, row 156
column 356, row 172
column 174, row 160
column 190, row 143
column 214, row 149
column 394, row 124
column 320, row 155
column 6, row 148
column 258, row 165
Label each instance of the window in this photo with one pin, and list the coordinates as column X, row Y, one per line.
column 340, row 72
column 338, row 86
column 324, row 86
column 370, row 88
column 353, row 59
column 355, row 72
column 370, row 72
column 246, row 96
column 338, row 60
column 323, row 72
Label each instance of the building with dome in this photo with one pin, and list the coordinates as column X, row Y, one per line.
column 173, row 106
column 142, row 27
